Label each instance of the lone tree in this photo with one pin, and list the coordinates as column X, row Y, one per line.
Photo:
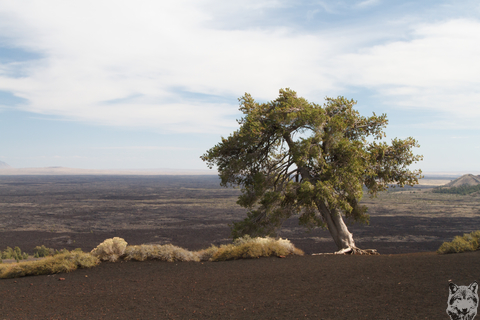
column 292, row 157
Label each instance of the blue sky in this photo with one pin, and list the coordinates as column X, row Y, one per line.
column 154, row 84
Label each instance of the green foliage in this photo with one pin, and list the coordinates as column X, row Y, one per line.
column 15, row 253
column 42, row 251
column 468, row 242
column 64, row 262
column 248, row 248
column 8, row 253
column 463, row 190
column 293, row 157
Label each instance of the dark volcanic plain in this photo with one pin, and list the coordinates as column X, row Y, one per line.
column 194, row 212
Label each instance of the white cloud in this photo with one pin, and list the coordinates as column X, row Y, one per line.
column 439, row 55
column 438, row 69
column 116, row 51
column 138, row 55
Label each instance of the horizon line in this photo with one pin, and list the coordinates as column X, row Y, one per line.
column 59, row 170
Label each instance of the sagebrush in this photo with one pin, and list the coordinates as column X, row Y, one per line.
column 15, row 253
column 117, row 248
column 63, row 262
column 42, row 251
column 247, row 248
column 465, row 243
column 165, row 252
column 110, row 249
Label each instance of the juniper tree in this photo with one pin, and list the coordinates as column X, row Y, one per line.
column 292, row 157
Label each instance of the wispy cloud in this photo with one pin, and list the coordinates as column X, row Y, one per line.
column 368, row 3
column 435, row 70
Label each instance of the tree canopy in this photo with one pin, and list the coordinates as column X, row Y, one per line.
column 292, row 157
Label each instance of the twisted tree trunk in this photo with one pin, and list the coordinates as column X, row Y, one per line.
column 337, row 227
column 339, row 231
column 335, row 224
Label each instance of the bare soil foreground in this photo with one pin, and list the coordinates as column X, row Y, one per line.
column 411, row 286
column 408, row 281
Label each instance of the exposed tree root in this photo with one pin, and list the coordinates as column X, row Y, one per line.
column 352, row 250
column 355, row 250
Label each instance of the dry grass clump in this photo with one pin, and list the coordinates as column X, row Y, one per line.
column 63, row 262
column 116, row 248
column 207, row 254
column 247, row 248
column 165, row 252
column 468, row 242
column 242, row 248
column 110, row 249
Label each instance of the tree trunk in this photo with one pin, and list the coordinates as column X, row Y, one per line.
column 335, row 224
column 337, row 227
column 339, row 231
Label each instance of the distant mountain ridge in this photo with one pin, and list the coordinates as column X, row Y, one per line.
column 465, row 180
column 4, row 165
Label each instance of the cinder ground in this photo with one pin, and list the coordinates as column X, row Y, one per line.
column 401, row 286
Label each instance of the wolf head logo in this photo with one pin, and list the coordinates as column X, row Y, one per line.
column 462, row 301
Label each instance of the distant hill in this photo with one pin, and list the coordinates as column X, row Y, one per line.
column 4, row 165
column 465, row 180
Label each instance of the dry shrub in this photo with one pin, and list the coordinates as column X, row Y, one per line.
column 113, row 249
column 64, row 262
column 468, row 242
column 246, row 247
column 207, row 254
column 42, row 251
column 110, row 249
column 165, row 252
